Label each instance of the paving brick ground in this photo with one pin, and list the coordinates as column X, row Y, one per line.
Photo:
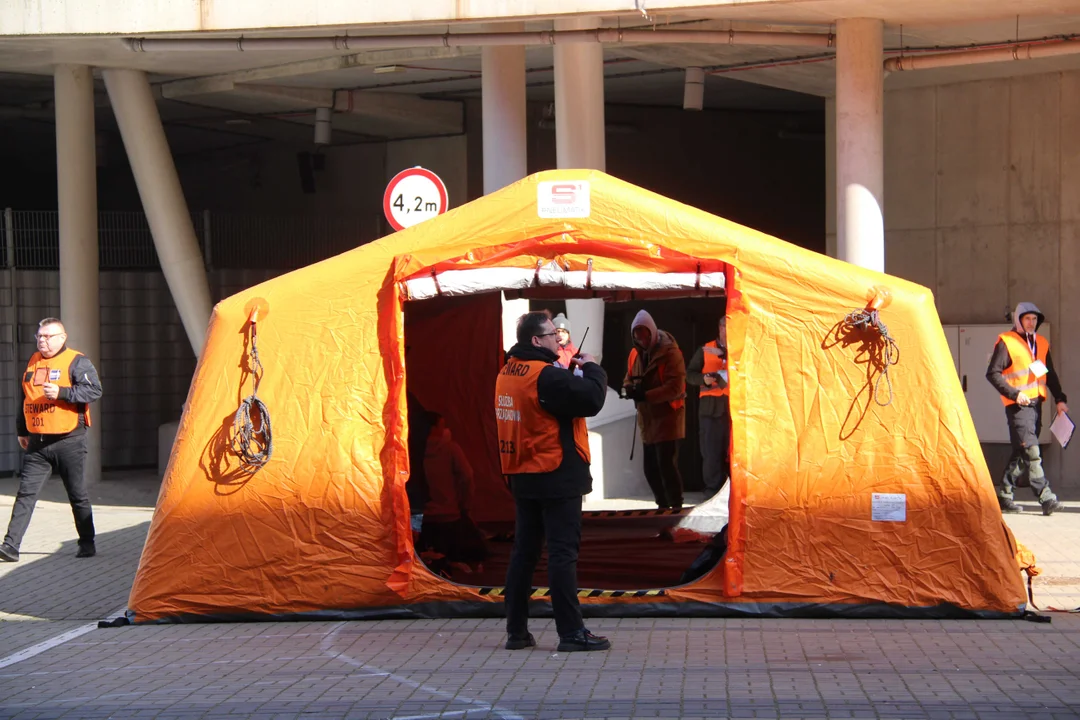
column 415, row 670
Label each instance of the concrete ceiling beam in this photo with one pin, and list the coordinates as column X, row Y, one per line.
column 432, row 117
column 364, row 109
column 226, row 82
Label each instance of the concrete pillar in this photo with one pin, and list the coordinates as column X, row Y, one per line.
column 860, row 164
column 580, row 141
column 505, row 150
column 162, row 199
column 76, row 185
column 579, row 100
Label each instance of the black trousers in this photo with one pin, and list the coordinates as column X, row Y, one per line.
column 714, row 437
column 68, row 457
column 560, row 520
column 662, row 473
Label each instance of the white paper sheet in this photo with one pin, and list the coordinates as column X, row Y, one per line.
column 1062, row 428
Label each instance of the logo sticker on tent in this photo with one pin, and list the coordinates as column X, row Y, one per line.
column 565, row 199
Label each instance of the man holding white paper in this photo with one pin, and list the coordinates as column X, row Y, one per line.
column 1022, row 371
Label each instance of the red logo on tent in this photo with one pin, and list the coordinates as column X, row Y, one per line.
column 564, row 193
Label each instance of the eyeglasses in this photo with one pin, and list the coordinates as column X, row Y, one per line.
column 546, row 334
column 39, row 336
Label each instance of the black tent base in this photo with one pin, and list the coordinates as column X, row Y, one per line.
column 540, row 609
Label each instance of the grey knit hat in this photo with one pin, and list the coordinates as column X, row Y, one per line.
column 561, row 323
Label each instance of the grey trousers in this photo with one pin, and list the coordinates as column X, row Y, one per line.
column 1025, row 424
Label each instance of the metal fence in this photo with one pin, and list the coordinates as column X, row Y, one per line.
column 227, row 240
column 146, row 362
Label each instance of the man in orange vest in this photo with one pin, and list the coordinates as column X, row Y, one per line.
column 708, row 370
column 1022, row 371
column 58, row 386
column 540, row 412
column 656, row 381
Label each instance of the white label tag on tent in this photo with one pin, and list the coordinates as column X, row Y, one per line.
column 889, row 507
column 566, row 199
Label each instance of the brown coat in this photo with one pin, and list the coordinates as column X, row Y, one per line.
column 662, row 416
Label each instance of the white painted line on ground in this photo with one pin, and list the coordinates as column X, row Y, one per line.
column 44, row 646
column 49, row 644
column 326, row 645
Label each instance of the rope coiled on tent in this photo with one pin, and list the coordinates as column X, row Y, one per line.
column 883, row 355
column 251, row 438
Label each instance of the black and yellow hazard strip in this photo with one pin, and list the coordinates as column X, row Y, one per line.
column 631, row 513
column 543, row 592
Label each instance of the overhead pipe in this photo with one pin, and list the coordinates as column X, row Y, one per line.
column 448, row 40
column 1001, row 53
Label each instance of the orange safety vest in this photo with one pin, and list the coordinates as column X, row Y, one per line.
column 1019, row 374
column 528, row 434
column 44, row 416
column 632, row 360
column 713, row 363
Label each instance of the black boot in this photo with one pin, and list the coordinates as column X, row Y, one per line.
column 1008, row 505
column 520, row 642
column 583, row 641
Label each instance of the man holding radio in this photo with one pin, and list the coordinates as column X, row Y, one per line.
column 58, row 386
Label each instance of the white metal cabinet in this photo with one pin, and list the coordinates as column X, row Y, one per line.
column 972, row 346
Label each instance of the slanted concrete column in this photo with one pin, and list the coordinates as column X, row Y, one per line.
column 505, row 149
column 580, row 142
column 860, row 164
column 162, row 199
column 76, row 185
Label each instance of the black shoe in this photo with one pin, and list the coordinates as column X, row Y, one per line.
column 8, row 553
column 1050, row 506
column 1008, row 506
column 86, row 550
column 520, row 642
column 583, row 641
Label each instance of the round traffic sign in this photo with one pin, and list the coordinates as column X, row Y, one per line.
column 413, row 196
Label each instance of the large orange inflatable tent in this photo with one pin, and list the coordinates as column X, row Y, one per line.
column 842, row 502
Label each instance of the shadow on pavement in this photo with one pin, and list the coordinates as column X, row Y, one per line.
column 59, row 586
column 126, row 488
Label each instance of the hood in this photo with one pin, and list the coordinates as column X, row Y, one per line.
column 644, row 319
column 1023, row 309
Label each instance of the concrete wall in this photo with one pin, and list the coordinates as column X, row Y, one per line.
column 759, row 169
column 266, row 179
column 982, row 205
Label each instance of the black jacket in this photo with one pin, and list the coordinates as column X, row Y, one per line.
column 565, row 396
column 85, row 389
column 1000, row 362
